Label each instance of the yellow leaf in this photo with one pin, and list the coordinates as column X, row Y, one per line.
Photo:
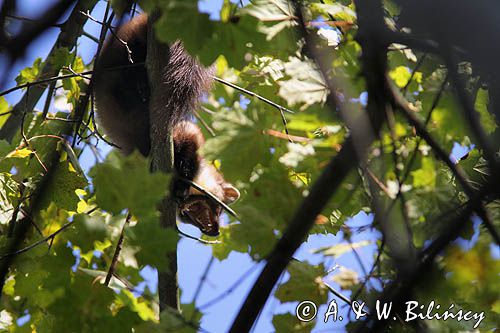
column 101, row 246
column 400, row 75
column 81, row 207
column 19, row 153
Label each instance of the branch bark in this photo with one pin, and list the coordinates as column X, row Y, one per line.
column 162, row 154
column 70, row 31
column 30, row 30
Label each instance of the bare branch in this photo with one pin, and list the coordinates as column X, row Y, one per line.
column 251, row 93
column 114, row 261
column 70, row 31
column 41, row 241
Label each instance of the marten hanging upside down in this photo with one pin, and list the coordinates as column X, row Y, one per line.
column 122, row 103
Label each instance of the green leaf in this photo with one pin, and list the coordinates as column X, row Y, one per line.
column 426, row 175
column 278, row 10
column 275, row 203
column 226, row 243
column 86, row 230
column 126, row 183
column 239, row 132
column 481, row 105
column 171, row 320
column 289, row 323
column 153, row 242
column 337, row 10
column 179, row 13
column 92, row 301
column 446, row 119
column 304, row 284
column 30, row 74
column 4, row 107
column 61, row 57
column 9, row 196
column 304, row 77
column 61, row 187
column 256, row 230
column 19, row 153
column 137, row 305
column 240, row 39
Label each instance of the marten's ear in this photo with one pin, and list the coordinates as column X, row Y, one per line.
column 231, row 193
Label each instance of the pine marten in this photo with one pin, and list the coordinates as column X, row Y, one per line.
column 122, row 106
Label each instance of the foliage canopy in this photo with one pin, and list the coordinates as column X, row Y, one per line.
column 45, row 194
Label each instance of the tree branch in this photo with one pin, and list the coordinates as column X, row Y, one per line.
column 162, row 155
column 70, row 31
column 30, row 30
column 400, row 289
column 114, row 261
column 329, row 181
column 443, row 156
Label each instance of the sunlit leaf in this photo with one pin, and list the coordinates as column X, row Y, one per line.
column 120, row 183
column 426, row 175
column 30, row 74
column 304, row 284
column 342, row 248
column 481, row 105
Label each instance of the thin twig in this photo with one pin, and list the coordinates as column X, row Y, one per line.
column 68, row 68
column 401, row 103
column 203, row 241
column 23, row 134
column 229, row 290
column 32, row 222
column 342, row 297
column 91, row 37
column 48, row 99
column 375, row 264
column 210, row 195
column 435, row 103
column 204, row 123
column 62, row 77
column 110, row 28
column 469, row 112
column 118, row 249
column 417, row 67
column 251, row 93
column 41, row 241
column 30, row 20
column 202, row 280
column 377, row 181
column 280, row 135
column 337, row 24
column 61, row 119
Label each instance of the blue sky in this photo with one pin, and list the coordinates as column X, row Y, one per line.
column 193, row 256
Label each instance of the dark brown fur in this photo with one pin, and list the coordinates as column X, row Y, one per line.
column 122, row 100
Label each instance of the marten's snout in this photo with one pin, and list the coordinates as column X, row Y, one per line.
column 198, row 211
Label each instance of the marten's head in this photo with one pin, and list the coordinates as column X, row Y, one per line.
column 202, row 211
